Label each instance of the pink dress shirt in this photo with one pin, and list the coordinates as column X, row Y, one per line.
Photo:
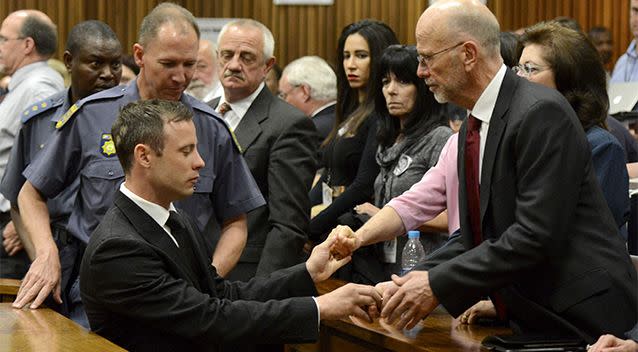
column 437, row 190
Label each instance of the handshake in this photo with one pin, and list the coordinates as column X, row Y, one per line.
column 403, row 301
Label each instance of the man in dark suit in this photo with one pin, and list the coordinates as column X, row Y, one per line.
column 146, row 281
column 310, row 85
column 278, row 143
column 536, row 234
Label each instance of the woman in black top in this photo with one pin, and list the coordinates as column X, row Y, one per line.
column 349, row 154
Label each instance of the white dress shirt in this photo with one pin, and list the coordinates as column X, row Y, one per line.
column 238, row 108
column 155, row 211
column 484, row 108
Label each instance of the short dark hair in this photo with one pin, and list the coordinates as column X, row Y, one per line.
column 43, row 34
column 142, row 122
column 401, row 61
column 165, row 12
column 597, row 30
column 578, row 70
column 379, row 36
column 509, row 43
column 568, row 22
column 129, row 61
column 88, row 31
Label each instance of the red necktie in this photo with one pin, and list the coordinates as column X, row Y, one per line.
column 224, row 108
column 472, row 155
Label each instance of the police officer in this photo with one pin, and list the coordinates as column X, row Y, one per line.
column 93, row 57
column 82, row 147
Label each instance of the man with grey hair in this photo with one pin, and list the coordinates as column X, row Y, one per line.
column 82, row 147
column 310, row 85
column 536, row 236
column 27, row 40
column 205, row 84
column 278, row 142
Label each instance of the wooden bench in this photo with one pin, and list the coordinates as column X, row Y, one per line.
column 9, row 289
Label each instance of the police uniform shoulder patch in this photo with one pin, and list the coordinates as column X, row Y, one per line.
column 40, row 107
column 115, row 92
column 107, row 146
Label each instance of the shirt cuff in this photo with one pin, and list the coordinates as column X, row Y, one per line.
column 318, row 313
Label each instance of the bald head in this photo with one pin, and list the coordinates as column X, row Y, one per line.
column 38, row 26
column 460, row 20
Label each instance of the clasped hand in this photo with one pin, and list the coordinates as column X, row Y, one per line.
column 405, row 300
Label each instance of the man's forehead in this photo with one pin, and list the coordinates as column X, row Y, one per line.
column 246, row 37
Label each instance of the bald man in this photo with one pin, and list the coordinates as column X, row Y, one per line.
column 536, row 235
column 205, row 84
column 27, row 40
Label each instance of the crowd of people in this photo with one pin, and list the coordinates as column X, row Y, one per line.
column 189, row 196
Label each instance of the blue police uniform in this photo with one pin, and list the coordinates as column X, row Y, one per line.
column 38, row 124
column 83, row 147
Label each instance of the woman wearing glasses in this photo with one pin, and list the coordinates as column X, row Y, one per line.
column 563, row 59
column 349, row 149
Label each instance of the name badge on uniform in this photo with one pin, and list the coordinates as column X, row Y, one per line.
column 390, row 251
column 404, row 163
column 326, row 194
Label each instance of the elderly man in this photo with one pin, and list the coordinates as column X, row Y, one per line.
column 146, row 279
column 535, row 236
column 278, row 142
column 310, row 85
column 82, row 147
column 205, row 84
column 27, row 40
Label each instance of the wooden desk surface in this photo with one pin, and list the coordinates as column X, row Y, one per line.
column 439, row 332
column 45, row 330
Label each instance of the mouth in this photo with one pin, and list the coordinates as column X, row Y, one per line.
column 353, row 77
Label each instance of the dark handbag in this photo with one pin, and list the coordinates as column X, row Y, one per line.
column 532, row 343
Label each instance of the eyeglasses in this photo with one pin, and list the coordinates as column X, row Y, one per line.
column 4, row 39
column 283, row 95
column 527, row 70
column 426, row 60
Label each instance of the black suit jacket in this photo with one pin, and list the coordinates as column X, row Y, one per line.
column 279, row 144
column 138, row 292
column 551, row 247
column 324, row 120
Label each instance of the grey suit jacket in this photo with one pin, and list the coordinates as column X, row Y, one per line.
column 279, row 144
column 551, row 247
column 139, row 292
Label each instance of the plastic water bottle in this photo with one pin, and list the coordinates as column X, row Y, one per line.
column 413, row 252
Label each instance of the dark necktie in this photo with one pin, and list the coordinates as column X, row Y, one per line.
column 472, row 160
column 472, row 155
column 180, row 233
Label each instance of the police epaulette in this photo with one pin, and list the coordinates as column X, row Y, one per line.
column 40, row 107
column 107, row 94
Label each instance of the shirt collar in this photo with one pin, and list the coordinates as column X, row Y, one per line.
column 65, row 105
column 485, row 104
column 240, row 107
column 322, row 108
column 155, row 211
column 23, row 73
column 631, row 49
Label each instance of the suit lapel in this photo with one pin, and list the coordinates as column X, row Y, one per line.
column 155, row 235
column 498, row 121
column 249, row 128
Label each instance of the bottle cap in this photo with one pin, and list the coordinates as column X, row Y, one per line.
column 414, row 234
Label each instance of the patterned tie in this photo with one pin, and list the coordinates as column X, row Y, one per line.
column 224, row 108
column 472, row 155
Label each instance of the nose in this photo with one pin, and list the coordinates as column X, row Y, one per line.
column 234, row 64
column 391, row 87
column 107, row 73
column 179, row 75
column 350, row 63
column 198, row 162
column 422, row 71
